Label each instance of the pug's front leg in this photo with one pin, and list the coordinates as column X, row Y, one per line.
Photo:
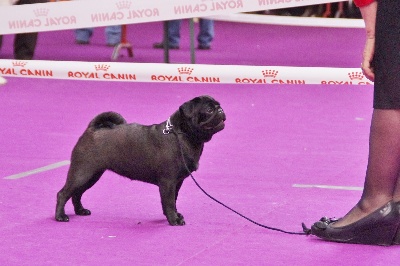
column 168, row 202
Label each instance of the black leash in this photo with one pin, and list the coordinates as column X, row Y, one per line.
column 306, row 231
column 245, row 217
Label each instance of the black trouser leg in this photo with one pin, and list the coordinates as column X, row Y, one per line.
column 24, row 45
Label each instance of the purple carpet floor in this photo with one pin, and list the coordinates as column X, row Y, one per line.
column 277, row 139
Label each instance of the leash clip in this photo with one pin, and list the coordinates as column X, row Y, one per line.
column 168, row 127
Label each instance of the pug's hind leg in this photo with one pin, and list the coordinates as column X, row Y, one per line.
column 78, row 208
column 77, row 195
column 62, row 197
column 78, row 181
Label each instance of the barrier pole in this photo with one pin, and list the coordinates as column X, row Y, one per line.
column 192, row 51
column 166, row 42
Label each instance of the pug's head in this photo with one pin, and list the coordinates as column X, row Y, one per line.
column 202, row 117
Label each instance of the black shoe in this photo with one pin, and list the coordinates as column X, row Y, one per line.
column 161, row 45
column 377, row 228
column 396, row 240
column 112, row 44
column 81, row 42
column 23, row 57
column 203, row 47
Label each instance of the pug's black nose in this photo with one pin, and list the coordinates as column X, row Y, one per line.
column 220, row 111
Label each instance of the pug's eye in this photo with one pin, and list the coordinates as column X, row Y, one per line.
column 210, row 110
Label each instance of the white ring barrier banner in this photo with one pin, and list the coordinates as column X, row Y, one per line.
column 292, row 20
column 181, row 73
column 95, row 13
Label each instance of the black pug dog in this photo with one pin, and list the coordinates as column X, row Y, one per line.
column 161, row 154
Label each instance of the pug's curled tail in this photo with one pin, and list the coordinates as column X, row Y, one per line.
column 107, row 120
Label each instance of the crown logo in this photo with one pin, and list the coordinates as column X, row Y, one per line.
column 123, row 5
column 185, row 70
column 268, row 73
column 102, row 67
column 19, row 63
column 356, row 75
column 41, row 12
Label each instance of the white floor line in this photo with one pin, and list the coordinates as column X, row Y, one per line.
column 67, row 162
column 327, row 187
column 38, row 170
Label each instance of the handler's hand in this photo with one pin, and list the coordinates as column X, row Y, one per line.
column 368, row 55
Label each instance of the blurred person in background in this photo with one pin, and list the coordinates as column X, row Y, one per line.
column 112, row 33
column 204, row 38
column 24, row 43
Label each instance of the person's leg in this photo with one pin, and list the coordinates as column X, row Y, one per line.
column 113, row 35
column 82, row 36
column 24, row 45
column 396, row 194
column 206, row 34
column 383, row 166
column 377, row 212
column 174, row 36
column 384, row 154
column 174, row 32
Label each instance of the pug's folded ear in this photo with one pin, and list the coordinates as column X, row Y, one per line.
column 188, row 108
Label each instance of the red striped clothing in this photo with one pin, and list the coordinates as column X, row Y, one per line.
column 361, row 3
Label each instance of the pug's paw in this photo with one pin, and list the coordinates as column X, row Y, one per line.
column 83, row 212
column 177, row 220
column 62, row 218
column 180, row 219
column 181, row 222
